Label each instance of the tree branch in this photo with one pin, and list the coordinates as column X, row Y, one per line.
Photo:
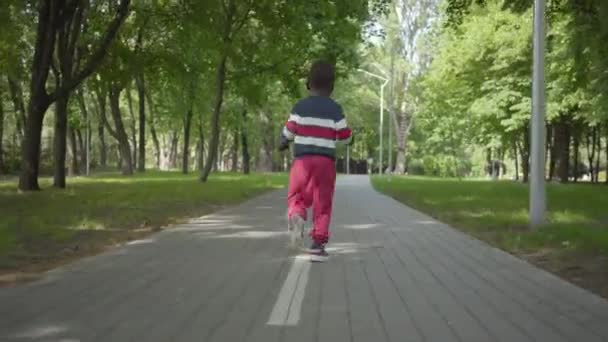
column 99, row 54
column 76, row 30
column 102, row 113
column 240, row 23
column 45, row 45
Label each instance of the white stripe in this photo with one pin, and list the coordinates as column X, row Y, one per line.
column 341, row 124
column 320, row 142
column 345, row 141
column 306, row 121
column 287, row 308
column 287, row 133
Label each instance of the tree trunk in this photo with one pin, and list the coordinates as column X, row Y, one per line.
column 503, row 166
column 103, row 154
column 121, row 135
column 200, row 160
column 215, row 118
column 73, row 165
column 133, row 129
column 561, row 148
column 525, row 155
column 83, row 151
column 220, row 154
column 81, row 144
column 39, row 100
column 402, row 136
column 2, row 166
column 590, row 139
column 598, row 154
column 516, row 159
column 103, row 148
column 245, row 146
column 30, row 159
column 186, row 151
column 217, row 167
column 576, row 148
column 60, row 141
column 141, row 94
column 173, row 151
column 606, row 150
column 157, row 152
column 198, row 155
column 155, row 140
column 235, row 152
column 265, row 161
column 488, row 168
column 552, row 142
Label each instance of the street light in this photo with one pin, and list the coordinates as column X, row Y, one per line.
column 538, row 196
column 386, row 80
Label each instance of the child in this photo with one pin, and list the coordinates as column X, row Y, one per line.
column 316, row 125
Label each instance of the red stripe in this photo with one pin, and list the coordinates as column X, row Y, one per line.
column 344, row 134
column 317, row 132
column 291, row 126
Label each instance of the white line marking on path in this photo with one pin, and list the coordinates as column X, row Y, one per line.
column 287, row 308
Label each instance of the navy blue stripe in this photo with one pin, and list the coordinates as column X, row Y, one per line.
column 306, row 150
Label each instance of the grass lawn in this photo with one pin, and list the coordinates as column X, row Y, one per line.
column 574, row 244
column 41, row 229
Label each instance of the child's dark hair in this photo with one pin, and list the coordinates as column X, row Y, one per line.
column 321, row 77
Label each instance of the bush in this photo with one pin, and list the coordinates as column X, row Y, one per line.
column 416, row 167
column 446, row 166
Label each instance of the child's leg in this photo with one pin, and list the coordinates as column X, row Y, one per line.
column 296, row 199
column 324, row 184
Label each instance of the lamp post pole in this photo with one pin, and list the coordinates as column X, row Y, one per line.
column 381, row 127
column 538, row 196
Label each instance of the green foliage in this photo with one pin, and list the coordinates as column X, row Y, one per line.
column 479, row 81
column 444, row 166
column 477, row 90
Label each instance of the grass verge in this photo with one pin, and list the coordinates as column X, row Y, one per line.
column 43, row 229
column 574, row 244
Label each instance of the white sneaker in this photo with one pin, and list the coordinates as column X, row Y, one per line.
column 296, row 231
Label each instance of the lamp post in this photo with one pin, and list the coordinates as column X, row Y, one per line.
column 381, row 128
column 348, row 160
column 538, row 196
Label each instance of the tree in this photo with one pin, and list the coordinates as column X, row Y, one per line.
column 233, row 17
column 414, row 19
column 119, row 132
column 60, row 25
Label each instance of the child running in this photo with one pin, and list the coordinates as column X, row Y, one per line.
column 316, row 125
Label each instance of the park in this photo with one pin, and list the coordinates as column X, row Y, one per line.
column 144, row 176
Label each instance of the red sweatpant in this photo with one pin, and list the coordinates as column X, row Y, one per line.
column 311, row 183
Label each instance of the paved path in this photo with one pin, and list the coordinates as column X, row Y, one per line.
column 395, row 275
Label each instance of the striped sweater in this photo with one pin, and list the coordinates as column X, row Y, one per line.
column 316, row 125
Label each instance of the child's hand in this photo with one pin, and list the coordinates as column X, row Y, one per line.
column 284, row 145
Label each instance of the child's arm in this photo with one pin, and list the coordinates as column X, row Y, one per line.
column 344, row 135
column 288, row 134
